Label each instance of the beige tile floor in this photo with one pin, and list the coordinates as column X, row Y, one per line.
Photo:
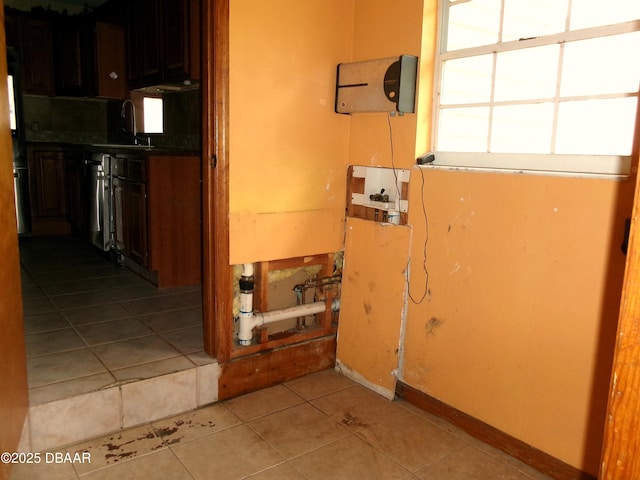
column 319, row 427
column 90, row 324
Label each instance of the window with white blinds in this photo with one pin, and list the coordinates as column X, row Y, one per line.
column 541, row 85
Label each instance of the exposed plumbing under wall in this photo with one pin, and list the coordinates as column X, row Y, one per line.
column 249, row 320
column 301, row 288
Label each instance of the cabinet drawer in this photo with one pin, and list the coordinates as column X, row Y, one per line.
column 129, row 168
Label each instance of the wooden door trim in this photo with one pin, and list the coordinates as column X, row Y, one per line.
column 620, row 459
column 217, row 273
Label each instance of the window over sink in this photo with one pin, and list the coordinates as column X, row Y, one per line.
column 150, row 111
column 153, row 114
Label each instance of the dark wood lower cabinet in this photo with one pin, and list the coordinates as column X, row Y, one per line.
column 157, row 217
column 118, row 188
column 130, row 220
column 130, row 208
column 156, row 203
column 135, row 211
column 50, row 184
column 48, row 191
column 76, row 194
column 175, row 219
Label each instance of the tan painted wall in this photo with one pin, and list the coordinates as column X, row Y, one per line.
column 288, row 148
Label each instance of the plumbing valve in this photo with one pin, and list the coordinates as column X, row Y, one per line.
column 379, row 197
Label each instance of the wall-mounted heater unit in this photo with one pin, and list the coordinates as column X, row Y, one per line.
column 384, row 85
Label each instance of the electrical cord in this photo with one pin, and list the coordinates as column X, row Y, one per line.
column 424, row 251
column 426, row 222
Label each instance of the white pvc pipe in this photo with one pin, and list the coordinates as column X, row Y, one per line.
column 291, row 312
column 246, row 304
column 247, row 269
column 252, row 320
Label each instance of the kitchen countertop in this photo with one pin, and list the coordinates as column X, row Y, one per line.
column 115, row 148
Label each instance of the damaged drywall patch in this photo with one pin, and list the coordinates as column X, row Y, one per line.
column 359, row 378
column 433, row 325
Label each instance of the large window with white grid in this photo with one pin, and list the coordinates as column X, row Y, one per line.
column 538, row 85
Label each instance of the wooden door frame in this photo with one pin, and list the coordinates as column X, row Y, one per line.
column 217, row 272
column 621, row 446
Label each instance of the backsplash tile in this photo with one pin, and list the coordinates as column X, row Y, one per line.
column 97, row 120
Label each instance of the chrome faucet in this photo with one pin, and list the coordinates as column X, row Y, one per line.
column 133, row 117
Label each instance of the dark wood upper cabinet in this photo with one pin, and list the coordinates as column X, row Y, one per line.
column 69, row 55
column 176, row 44
column 33, row 40
column 110, row 62
column 37, row 60
column 163, row 38
column 90, row 58
column 144, row 42
column 123, row 45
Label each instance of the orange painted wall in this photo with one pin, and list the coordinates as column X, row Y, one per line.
column 517, row 330
column 369, row 329
column 524, row 271
column 385, row 29
column 288, row 148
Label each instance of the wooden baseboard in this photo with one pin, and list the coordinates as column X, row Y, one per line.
column 264, row 369
column 533, row 457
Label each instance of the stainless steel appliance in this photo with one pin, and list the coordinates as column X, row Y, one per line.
column 20, row 172
column 98, row 170
column 21, row 193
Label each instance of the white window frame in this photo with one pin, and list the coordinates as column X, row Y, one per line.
column 608, row 166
